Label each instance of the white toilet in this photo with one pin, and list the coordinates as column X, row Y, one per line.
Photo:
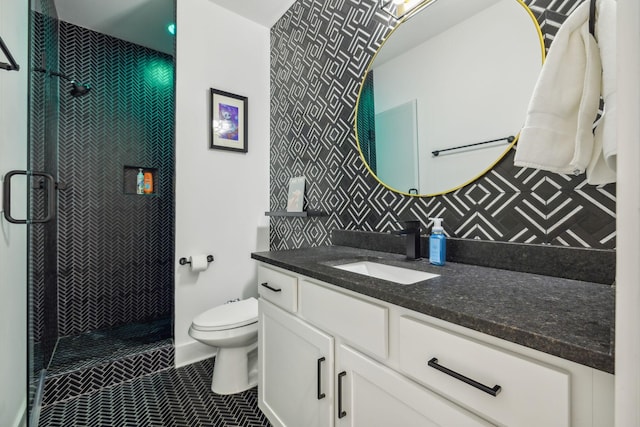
column 233, row 328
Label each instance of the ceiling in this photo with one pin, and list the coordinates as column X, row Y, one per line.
column 144, row 22
column 435, row 19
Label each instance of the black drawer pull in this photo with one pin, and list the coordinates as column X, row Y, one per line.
column 321, row 395
column 489, row 390
column 266, row 285
column 341, row 412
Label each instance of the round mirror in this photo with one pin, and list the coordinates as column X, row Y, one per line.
column 445, row 96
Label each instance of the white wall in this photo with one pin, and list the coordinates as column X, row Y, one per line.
column 221, row 196
column 468, row 90
column 627, row 340
column 13, row 250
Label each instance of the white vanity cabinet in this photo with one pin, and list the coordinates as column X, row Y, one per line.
column 500, row 385
column 336, row 358
column 296, row 370
column 370, row 394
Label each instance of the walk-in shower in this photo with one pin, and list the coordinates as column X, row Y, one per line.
column 101, row 270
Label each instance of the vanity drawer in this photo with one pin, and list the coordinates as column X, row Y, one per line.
column 279, row 288
column 363, row 324
column 530, row 395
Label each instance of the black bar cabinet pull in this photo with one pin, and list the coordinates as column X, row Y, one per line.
column 493, row 391
column 266, row 285
column 6, row 197
column 436, row 153
column 341, row 413
column 321, row 395
column 12, row 65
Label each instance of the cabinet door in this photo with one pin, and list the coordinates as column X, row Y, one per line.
column 369, row 394
column 295, row 369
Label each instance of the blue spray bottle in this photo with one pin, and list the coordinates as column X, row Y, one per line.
column 437, row 243
column 140, row 182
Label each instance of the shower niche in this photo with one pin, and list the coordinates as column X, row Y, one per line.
column 130, row 180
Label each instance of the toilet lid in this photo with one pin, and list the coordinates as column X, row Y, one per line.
column 228, row 316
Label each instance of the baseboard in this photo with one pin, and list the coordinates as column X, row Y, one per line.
column 192, row 352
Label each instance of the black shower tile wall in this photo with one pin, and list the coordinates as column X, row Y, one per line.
column 319, row 53
column 115, row 250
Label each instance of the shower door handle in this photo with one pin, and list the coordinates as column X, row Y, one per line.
column 6, row 197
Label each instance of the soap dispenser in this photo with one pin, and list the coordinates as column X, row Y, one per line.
column 140, row 182
column 437, row 243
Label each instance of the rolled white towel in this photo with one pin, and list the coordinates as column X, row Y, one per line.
column 558, row 130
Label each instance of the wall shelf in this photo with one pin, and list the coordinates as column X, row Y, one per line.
column 296, row 214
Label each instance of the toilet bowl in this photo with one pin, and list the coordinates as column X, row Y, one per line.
column 233, row 329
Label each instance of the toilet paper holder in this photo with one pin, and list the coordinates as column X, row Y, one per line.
column 184, row 260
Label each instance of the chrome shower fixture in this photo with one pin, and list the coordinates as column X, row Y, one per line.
column 77, row 89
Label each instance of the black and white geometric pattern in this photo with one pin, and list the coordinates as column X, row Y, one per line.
column 63, row 386
column 114, row 250
column 174, row 397
column 106, row 345
column 319, row 54
column 88, row 362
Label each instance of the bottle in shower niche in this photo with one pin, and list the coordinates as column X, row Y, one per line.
column 437, row 243
column 148, row 183
column 140, row 182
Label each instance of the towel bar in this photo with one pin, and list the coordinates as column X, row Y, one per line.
column 12, row 65
column 507, row 138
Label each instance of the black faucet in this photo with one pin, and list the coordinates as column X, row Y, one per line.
column 412, row 231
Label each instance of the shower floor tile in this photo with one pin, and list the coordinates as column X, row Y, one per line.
column 173, row 397
column 95, row 347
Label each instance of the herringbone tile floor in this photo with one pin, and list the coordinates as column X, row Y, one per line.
column 173, row 398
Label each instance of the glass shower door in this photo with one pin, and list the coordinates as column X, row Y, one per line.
column 43, row 229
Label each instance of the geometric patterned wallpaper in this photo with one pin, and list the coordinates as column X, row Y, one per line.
column 319, row 54
column 115, row 250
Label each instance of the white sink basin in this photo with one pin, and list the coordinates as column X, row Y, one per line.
column 403, row 276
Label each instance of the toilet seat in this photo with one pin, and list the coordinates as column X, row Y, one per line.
column 228, row 316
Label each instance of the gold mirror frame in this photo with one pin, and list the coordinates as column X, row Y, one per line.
column 482, row 173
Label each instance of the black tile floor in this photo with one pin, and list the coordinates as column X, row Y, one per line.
column 173, row 398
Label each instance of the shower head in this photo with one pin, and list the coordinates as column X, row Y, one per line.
column 79, row 89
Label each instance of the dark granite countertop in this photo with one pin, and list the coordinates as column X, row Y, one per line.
column 568, row 318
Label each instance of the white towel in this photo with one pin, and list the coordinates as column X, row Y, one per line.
column 602, row 168
column 558, row 130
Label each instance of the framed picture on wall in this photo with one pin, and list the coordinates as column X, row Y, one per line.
column 295, row 197
column 228, row 121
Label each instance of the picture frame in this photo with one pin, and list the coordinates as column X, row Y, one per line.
column 228, row 124
column 295, row 196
